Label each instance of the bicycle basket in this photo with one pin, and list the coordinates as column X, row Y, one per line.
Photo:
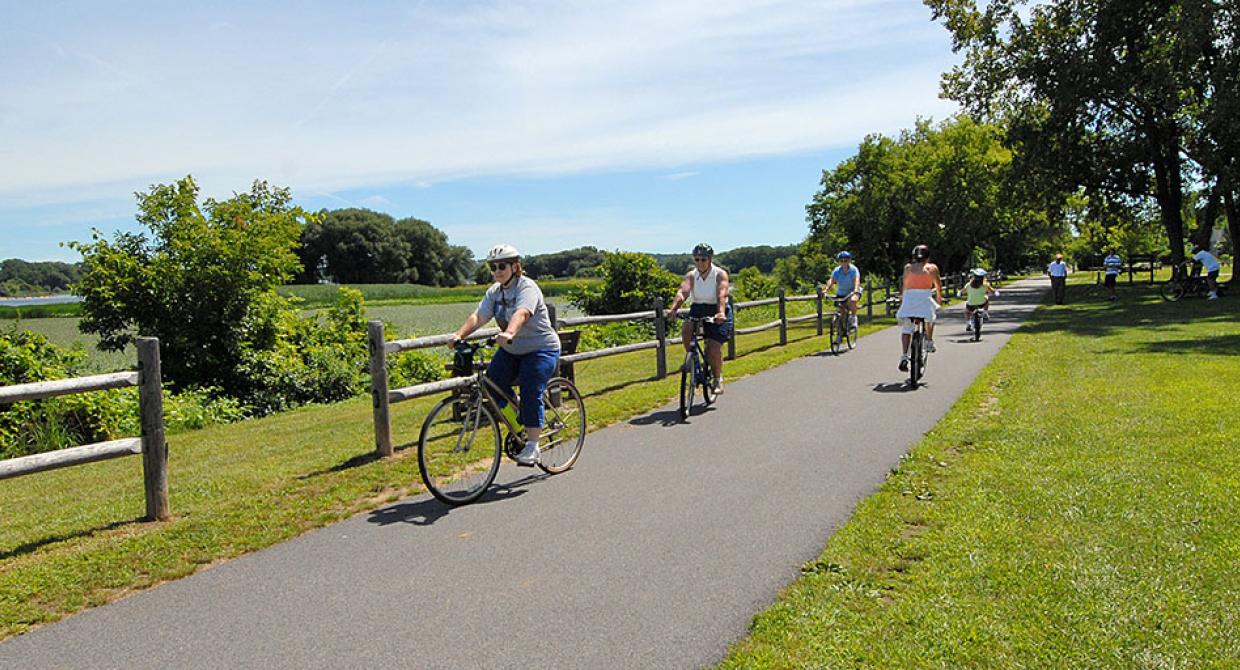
column 463, row 360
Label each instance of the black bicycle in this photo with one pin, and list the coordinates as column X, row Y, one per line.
column 695, row 371
column 1184, row 284
column 978, row 316
column 463, row 437
column 843, row 330
column 917, row 353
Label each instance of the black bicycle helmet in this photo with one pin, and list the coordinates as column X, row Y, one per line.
column 921, row 252
column 704, row 249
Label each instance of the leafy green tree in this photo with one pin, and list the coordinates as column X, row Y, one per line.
column 354, row 246
column 568, row 263
column 950, row 186
column 21, row 277
column 762, row 257
column 631, row 282
column 202, row 279
column 1108, row 95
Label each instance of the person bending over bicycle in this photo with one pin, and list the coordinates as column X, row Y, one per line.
column 978, row 291
column 529, row 348
column 707, row 283
column 922, row 291
column 847, row 282
column 1212, row 266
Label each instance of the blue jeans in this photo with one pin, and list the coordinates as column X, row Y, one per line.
column 531, row 372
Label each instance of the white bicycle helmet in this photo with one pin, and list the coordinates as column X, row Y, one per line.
column 979, row 272
column 503, row 252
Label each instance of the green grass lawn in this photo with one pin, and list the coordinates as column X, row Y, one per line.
column 72, row 538
column 1079, row 507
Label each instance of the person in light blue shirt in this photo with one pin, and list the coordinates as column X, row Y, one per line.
column 1058, row 272
column 1112, row 265
column 1212, row 265
column 846, row 279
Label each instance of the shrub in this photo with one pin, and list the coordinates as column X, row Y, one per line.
column 631, row 282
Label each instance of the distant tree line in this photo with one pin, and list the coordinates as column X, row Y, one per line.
column 763, row 257
column 360, row 246
column 19, row 277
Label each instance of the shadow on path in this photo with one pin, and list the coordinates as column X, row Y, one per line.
column 429, row 510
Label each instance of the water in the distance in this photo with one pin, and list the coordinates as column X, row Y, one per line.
column 44, row 300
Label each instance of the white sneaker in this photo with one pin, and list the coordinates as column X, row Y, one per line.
column 1212, row 296
column 929, row 346
column 718, row 385
column 528, row 455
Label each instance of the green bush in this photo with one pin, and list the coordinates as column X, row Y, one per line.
column 603, row 335
column 415, row 367
column 82, row 418
column 751, row 284
column 631, row 282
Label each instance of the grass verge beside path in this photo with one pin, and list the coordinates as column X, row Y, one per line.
column 71, row 538
column 1077, row 508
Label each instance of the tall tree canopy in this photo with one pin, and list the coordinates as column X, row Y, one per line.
column 950, row 186
column 360, row 246
column 1128, row 99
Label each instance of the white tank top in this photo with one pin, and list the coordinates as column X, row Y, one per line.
column 706, row 289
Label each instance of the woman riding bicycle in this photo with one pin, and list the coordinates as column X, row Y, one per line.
column 529, row 348
column 708, row 284
column 922, row 292
column 847, row 282
column 978, row 291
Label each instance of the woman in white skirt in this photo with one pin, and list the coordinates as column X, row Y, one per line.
column 922, row 294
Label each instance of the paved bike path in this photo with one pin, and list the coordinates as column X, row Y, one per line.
column 655, row 552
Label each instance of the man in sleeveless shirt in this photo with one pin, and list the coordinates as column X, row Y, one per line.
column 707, row 284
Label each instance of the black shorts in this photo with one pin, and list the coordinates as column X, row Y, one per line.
column 719, row 332
column 1110, row 281
column 1213, row 275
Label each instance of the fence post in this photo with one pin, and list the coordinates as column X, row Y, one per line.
column 732, row 335
column 154, row 446
column 819, row 305
column 886, row 299
column 1152, row 259
column 660, row 334
column 783, row 318
column 1130, row 271
column 379, row 389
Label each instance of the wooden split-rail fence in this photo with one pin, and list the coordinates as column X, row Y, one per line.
column 151, row 445
column 384, row 397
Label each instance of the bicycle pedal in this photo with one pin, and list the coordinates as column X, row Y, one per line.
column 526, row 465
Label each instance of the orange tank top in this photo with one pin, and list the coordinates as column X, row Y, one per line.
column 917, row 280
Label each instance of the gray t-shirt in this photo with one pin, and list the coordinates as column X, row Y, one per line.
column 536, row 333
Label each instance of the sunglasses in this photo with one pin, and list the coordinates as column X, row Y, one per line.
column 698, row 259
column 498, row 267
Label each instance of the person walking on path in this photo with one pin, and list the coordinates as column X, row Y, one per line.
column 529, row 350
column 708, row 284
column 1112, row 264
column 922, row 293
column 1212, row 265
column 1058, row 271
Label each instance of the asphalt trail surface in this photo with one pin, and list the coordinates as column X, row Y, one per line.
column 656, row 551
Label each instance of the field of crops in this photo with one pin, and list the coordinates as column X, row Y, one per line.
column 404, row 320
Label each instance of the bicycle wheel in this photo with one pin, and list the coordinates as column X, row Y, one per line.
column 707, row 381
column 977, row 324
column 850, row 334
column 459, row 451
column 1171, row 290
column 688, row 382
column 565, row 429
column 837, row 333
column 915, row 360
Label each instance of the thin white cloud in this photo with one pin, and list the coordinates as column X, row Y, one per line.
column 376, row 202
column 677, row 176
column 333, row 97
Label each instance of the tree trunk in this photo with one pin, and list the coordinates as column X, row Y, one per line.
column 1206, row 216
column 1233, row 229
column 1170, row 196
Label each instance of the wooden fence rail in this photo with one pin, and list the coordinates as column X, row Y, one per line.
column 151, row 445
column 383, row 397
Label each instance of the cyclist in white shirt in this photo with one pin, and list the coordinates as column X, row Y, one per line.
column 1212, row 265
column 708, row 284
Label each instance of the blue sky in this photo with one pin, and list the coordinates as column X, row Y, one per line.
column 644, row 125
